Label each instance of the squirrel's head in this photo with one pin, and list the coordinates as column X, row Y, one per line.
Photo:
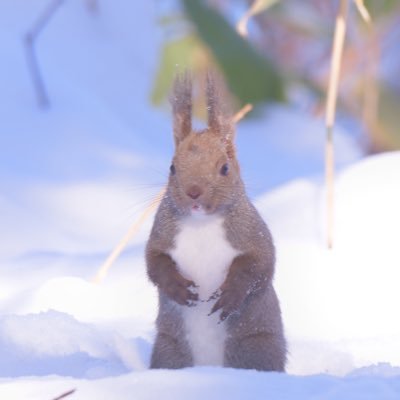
column 204, row 174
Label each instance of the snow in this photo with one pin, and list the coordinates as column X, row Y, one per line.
column 351, row 297
column 75, row 177
column 55, row 343
column 211, row 383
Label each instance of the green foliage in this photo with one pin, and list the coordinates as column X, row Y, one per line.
column 380, row 8
column 178, row 53
column 250, row 77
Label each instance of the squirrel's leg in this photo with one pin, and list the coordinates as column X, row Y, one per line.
column 171, row 353
column 262, row 351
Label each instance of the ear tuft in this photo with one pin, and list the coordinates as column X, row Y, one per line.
column 181, row 101
column 220, row 119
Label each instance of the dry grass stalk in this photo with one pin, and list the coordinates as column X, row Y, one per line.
column 103, row 270
column 242, row 112
column 256, row 7
column 336, row 58
column 362, row 9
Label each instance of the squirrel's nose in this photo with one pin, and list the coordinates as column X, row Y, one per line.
column 194, row 192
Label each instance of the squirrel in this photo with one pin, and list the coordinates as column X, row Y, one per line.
column 210, row 254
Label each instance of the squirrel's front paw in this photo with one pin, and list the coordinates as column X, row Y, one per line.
column 228, row 301
column 215, row 295
column 182, row 290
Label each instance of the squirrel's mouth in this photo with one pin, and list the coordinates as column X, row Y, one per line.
column 198, row 209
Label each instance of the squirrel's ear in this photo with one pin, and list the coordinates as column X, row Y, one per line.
column 181, row 101
column 220, row 120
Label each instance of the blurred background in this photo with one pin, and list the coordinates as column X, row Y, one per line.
column 85, row 84
column 91, row 79
column 284, row 55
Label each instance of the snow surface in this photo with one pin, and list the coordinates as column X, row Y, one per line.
column 74, row 178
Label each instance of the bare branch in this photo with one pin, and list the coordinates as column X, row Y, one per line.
column 30, row 41
column 37, row 79
column 66, row 394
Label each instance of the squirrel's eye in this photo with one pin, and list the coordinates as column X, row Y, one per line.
column 224, row 170
column 172, row 169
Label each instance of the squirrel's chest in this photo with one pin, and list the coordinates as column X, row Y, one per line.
column 203, row 253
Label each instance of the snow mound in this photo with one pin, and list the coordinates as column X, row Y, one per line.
column 55, row 343
column 347, row 298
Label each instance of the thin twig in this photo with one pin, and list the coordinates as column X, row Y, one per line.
column 102, row 272
column 30, row 40
column 242, row 113
column 66, row 394
column 337, row 52
column 37, row 79
column 241, row 26
column 256, row 7
column 362, row 9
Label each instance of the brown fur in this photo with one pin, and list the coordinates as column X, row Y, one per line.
column 246, row 301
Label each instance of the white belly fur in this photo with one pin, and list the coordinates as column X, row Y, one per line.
column 203, row 254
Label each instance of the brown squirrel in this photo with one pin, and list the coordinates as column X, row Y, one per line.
column 210, row 254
